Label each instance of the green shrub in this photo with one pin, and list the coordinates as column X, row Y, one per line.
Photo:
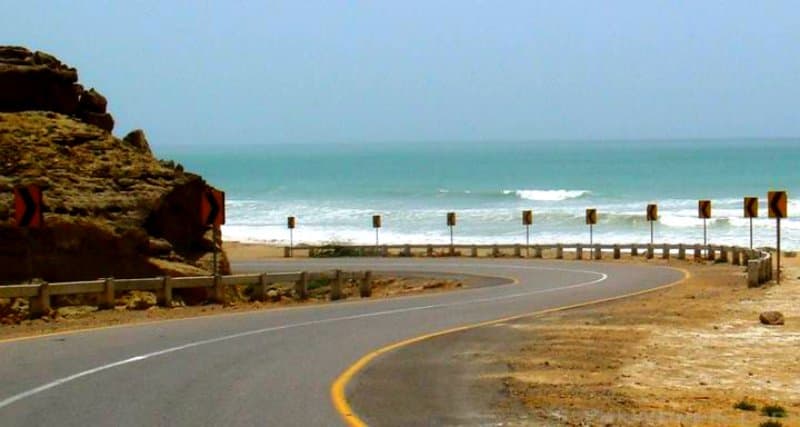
column 318, row 283
column 745, row 406
column 337, row 251
column 776, row 411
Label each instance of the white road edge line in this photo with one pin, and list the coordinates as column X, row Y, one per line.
column 44, row 387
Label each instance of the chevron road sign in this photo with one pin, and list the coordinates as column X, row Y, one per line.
column 28, row 206
column 777, row 201
column 212, row 207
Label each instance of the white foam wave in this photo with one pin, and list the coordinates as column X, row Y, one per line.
column 548, row 195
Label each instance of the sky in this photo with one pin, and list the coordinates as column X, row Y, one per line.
column 263, row 72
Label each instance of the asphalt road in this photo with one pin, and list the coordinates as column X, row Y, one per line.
column 273, row 367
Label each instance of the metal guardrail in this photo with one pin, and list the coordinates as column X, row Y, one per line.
column 758, row 263
column 40, row 294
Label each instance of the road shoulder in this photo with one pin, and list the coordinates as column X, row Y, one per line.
column 681, row 355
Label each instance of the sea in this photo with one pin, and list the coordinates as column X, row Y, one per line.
column 334, row 189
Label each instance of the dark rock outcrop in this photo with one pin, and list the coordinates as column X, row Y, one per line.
column 111, row 208
column 37, row 81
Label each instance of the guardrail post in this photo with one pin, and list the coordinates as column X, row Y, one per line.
column 365, row 288
column 649, row 251
column 384, row 251
column 634, row 251
column 495, row 251
column 517, row 250
column 336, row 286
column 559, row 251
column 287, row 252
column 107, row 297
column 40, row 304
column 735, row 256
column 537, row 251
column 301, row 286
column 578, row 251
column 698, row 253
column 617, row 252
column 710, row 253
column 723, row 253
column 665, row 251
column 452, row 250
column 681, row 252
column 407, row 250
column 166, row 291
column 430, row 250
column 219, row 290
column 598, row 252
column 771, row 273
column 753, row 273
column 260, row 291
column 474, row 251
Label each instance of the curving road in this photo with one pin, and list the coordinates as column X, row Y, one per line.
column 272, row 367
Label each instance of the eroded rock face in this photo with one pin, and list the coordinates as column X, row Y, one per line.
column 37, row 81
column 111, row 208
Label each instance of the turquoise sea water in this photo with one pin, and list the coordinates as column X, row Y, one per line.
column 334, row 189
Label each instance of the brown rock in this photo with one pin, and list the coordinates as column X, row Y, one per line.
column 159, row 246
column 38, row 81
column 771, row 318
column 92, row 101
column 35, row 81
column 102, row 120
column 138, row 140
column 94, row 227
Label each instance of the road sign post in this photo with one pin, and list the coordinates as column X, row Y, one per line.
column 451, row 222
column 527, row 220
column 376, row 224
column 704, row 212
column 212, row 213
column 777, row 202
column 28, row 208
column 291, row 222
column 751, row 211
column 652, row 216
column 591, row 220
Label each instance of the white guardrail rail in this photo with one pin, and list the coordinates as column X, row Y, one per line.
column 757, row 261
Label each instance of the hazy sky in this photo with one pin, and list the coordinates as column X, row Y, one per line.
column 265, row 72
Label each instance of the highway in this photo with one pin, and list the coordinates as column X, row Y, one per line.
column 275, row 367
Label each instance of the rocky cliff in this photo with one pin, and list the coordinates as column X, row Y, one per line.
column 111, row 208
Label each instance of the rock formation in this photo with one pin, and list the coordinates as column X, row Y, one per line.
column 38, row 81
column 111, row 208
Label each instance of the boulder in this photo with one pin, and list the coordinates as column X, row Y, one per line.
column 159, row 247
column 102, row 120
column 771, row 318
column 91, row 101
column 138, row 140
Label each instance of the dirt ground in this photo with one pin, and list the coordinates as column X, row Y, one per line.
column 681, row 356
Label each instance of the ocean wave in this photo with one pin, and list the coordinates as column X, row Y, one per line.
column 548, row 195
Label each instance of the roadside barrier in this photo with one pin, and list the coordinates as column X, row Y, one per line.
column 39, row 294
column 757, row 261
